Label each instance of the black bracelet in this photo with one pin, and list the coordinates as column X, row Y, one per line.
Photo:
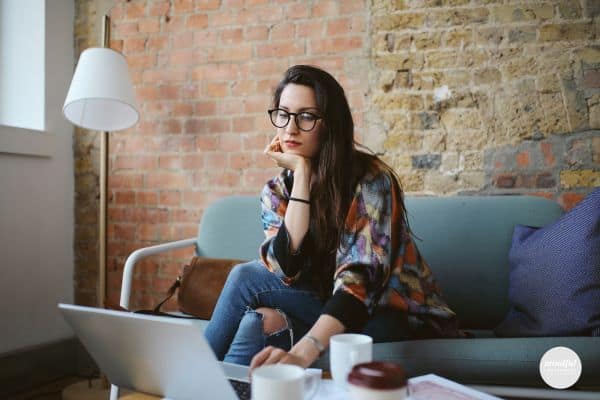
column 300, row 200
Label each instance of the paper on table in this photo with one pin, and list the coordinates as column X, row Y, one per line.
column 433, row 387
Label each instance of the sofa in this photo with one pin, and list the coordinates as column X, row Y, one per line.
column 466, row 241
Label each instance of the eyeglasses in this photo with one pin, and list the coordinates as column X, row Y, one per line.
column 305, row 121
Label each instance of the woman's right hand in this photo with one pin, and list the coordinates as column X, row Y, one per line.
column 289, row 161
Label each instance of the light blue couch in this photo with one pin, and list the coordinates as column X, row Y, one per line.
column 466, row 241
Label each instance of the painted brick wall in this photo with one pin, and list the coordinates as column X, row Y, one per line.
column 523, row 115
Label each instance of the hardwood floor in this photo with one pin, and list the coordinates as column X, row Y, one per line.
column 49, row 391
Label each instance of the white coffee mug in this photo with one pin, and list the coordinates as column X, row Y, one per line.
column 347, row 350
column 283, row 381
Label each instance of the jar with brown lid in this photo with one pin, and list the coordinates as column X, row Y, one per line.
column 377, row 380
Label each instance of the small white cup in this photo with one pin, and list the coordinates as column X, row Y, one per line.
column 347, row 350
column 283, row 381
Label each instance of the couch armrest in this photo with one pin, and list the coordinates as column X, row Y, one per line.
column 143, row 253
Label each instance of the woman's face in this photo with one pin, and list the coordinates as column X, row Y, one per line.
column 299, row 99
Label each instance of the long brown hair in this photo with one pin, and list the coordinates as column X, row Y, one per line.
column 339, row 164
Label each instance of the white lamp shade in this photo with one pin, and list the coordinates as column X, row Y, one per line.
column 101, row 95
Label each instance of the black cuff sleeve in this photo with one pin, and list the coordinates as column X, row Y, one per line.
column 290, row 263
column 349, row 310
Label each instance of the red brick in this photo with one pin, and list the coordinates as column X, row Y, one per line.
column 339, row 26
column 165, row 180
column 116, row 45
column 171, row 126
column 169, row 92
column 261, row 160
column 548, row 154
column 183, row 110
column 222, row 18
column 126, row 29
column 227, row 179
column 141, row 61
column 135, row 162
column 243, row 87
column 256, row 179
column 207, row 4
column 591, row 79
column 310, row 29
column 335, row 45
column 220, row 125
column 182, row 40
column 149, row 25
column 522, row 159
column 297, row 11
column 194, row 198
column 146, row 198
column 267, row 67
column 192, row 92
column 569, row 200
column 125, row 197
column 216, row 72
column 505, row 181
column 183, row 6
column 188, row 144
column 197, row 21
column 231, row 106
column 257, row 105
column 147, row 232
column 193, row 161
column 546, row 195
column 255, row 142
column 134, row 45
column 170, row 198
column 160, row 8
column 207, row 142
column 123, row 231
column 122, row 181
column 169, row 162
column 155, row 44
column 175, row 23
column 135, row 10
column 186, row 215
column 231, row 36
column 243, row 124
column 285, row 49
column 283, row 31
column 206, row 108
column 325, row 9
column 144, row 93
column 239, row 160
column 250, row 3
column 260, row 32
column 182, row 57
column 217, row 89
column 240, row 52
column 231, row 142
column 216, row 161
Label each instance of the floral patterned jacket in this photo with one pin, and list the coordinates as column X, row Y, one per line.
column 377, row 262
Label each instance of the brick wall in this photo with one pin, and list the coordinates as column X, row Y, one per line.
column 524, row 110
column 522, row 116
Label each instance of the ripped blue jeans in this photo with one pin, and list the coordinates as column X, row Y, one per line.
column 235, row 331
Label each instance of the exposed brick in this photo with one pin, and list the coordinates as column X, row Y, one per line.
column 505, row 181
column 569, row 200
column 545, row 180
column 522, row 159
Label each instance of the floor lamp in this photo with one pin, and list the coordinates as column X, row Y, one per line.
column 101, row 98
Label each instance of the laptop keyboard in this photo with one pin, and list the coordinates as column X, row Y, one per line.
column 242, row 389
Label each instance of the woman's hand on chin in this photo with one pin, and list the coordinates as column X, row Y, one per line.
column 289, row 161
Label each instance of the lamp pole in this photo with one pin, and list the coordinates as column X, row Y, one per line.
column 101, row 285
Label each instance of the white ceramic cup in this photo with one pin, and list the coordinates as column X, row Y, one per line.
column 283, row 381
column 347, row 350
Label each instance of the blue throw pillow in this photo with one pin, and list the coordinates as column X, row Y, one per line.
column 554, row 283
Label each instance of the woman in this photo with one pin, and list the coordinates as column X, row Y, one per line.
column 338, row 256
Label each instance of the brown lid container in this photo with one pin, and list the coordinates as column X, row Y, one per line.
column 378, row 375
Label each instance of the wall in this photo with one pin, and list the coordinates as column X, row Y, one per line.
column 36, row 205
column 521, row 116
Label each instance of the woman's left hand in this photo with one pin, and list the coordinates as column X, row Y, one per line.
column 274, row 355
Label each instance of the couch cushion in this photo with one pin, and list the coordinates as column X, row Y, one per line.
column 466, row 241
column 555, row 271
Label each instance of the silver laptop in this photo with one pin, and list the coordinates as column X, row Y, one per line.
column 161, row 356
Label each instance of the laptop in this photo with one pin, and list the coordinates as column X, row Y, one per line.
column 161, row 356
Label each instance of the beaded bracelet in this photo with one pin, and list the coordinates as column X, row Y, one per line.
column 300, row 200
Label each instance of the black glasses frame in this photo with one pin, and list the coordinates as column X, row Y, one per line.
column 295, row 115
